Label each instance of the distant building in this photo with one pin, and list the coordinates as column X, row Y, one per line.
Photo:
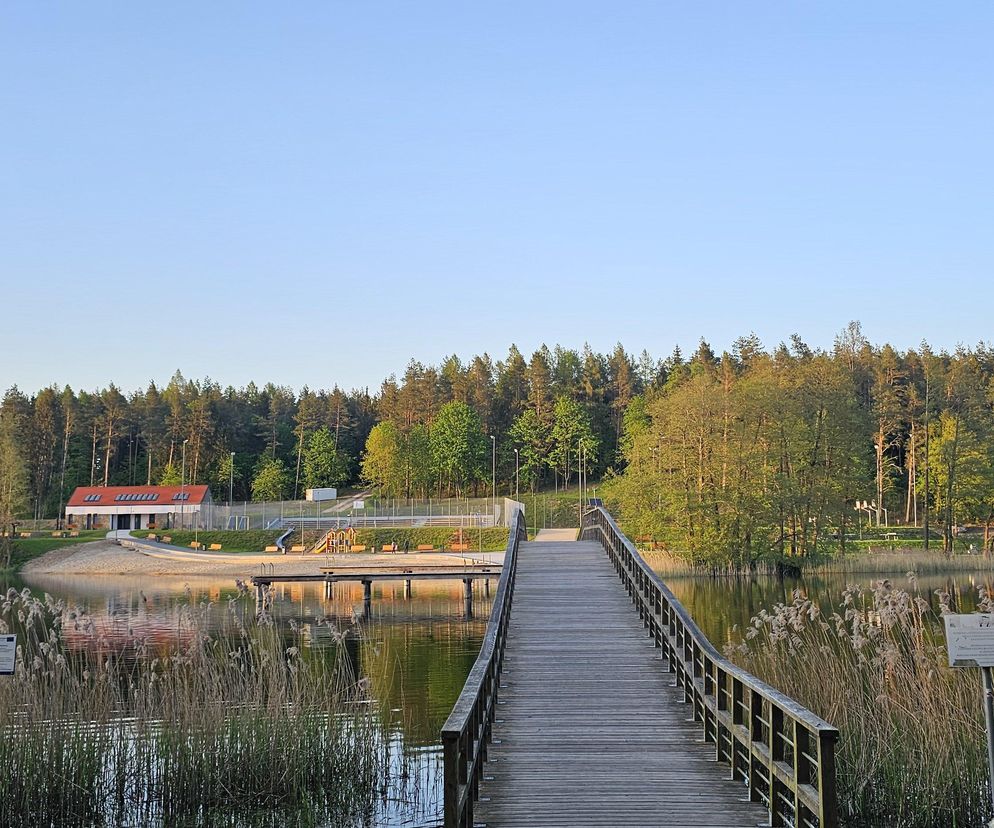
column 137, row 507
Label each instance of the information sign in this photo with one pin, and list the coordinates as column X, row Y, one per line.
column 8, row 654
column 970, row 639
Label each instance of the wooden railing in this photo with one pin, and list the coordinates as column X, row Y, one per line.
column 781, row 750
column 466, row 732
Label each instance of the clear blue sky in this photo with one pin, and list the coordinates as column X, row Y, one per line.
column 316, row 192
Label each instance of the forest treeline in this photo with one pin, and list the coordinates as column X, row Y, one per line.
column 758, row 454
column 733, row 457
column 424, row 434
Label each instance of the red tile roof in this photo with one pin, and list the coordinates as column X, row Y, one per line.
column 108, row 495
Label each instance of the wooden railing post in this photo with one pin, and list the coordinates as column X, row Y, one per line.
column 747, row 719
column 828, row 799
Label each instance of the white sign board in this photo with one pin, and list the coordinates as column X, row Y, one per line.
column 317, row 495
column 358, row 504
column 8, row 654
column 970, row 639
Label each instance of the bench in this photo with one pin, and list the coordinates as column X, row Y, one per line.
column 25, row 534
column 59, row 535
column 460, row 547
column 357, row 547
column 74, row 534
column 196, row 545
column 167, row 539
column 153, row 537
column 298, row 548
column 425, row 547
column 272, row 549
column 389, row 547
column 215, row 547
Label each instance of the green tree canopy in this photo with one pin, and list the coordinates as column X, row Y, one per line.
column 383, row 464
column 271, row 481
column 324, row 464
column 458, row 446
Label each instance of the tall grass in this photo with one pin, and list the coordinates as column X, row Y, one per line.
column 881, row 563
column 102, row 726
column 888, row 563
column 912, row 746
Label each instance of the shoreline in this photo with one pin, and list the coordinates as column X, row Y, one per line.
column 105, row 557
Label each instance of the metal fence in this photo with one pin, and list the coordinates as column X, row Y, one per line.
column 358, row 512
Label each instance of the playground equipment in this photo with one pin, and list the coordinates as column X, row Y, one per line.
column 335, row 540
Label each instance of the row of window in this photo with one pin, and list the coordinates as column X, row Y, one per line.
column 94, row 498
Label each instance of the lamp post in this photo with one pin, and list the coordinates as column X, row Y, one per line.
column 182, row 488
column 493, row 477
column 517, row 469
column 231, row 488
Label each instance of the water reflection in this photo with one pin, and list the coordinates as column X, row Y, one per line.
column 415, row 649
column 720, row 606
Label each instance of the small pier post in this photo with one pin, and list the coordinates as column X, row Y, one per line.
column 367, row 599
column 468, row 596
column 407, row 588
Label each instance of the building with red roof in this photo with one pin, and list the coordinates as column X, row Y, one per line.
column 137, row 507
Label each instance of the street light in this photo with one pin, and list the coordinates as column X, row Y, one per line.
column 516, row 473
column 231, row 488
column 182, row 488
column 493, row 477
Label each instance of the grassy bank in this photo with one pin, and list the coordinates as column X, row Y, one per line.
column 249, row 540
column 115, row 731
column 255, row 541
column 440, row 537
column 912, row 749
column 23, row 550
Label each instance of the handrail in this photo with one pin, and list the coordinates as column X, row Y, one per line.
column 780, row 749
column 466, row 733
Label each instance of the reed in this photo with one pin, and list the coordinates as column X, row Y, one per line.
column 912, row 746
column 102, row 726
column 889, row 562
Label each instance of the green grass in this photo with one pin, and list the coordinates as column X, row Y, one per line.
column 255, row 541
column 249, row 540
column 493, row 539
column 552, row 509
column 27, row 549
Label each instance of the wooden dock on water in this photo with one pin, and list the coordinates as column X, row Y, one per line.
column 597, row 701
column 589, row 729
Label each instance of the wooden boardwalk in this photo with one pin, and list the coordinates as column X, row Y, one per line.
column 589, row 730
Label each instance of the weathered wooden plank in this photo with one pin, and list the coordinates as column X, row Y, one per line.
column 589, row 730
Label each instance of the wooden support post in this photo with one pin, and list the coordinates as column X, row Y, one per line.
column 407, row 588
column 468, row 596
column 327, row 590
column 367, row 599
column 260, row 599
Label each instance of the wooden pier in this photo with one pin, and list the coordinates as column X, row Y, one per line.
column 596, row 701
column 366, row 576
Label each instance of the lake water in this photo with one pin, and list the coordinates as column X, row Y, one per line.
column 416, row 649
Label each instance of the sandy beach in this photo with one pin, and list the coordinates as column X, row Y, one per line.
column 109, row 558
